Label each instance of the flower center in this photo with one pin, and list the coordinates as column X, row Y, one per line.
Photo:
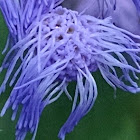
column 65, row 37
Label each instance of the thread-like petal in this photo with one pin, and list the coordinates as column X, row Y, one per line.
column 65, row 46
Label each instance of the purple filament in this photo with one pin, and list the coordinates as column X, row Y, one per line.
column 60, row 47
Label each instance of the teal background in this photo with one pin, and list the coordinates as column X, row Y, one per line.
column 109, row 119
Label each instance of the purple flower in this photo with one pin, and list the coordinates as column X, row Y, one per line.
column 137, row 4
column 19, row 14
column 56, row 47
column 117, row 9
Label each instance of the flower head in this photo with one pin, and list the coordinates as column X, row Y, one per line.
column 60, row 47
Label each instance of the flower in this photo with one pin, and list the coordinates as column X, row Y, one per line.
column 117, row 9
column 137, row 4
column 121, row 18
column 19, row 14
column 97, row 8
column 60, row 46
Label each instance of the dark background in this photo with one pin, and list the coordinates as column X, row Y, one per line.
column 109, row 119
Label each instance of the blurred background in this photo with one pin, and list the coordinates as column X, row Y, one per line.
column 110, row 118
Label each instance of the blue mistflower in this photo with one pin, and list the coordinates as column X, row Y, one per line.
column 56, row 46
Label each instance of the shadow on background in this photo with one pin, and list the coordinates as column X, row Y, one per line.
column 109, row 119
